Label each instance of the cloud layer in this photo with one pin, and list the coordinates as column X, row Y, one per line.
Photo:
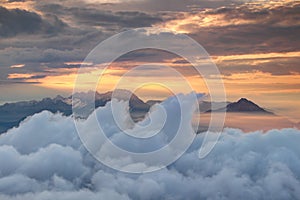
column 43, row 158
column 49, row 34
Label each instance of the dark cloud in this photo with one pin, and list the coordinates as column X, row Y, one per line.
column 170, row 5
column 9, row 82
column 274, row 66
column 103, row 18
column 262, row 13
column 119, row 19
column 282, row 67
column 43, row 51
column 28, row 78
column 147, row 55
column 261, row 30
column 16, row 1
column 63, row 34
column 17, row 21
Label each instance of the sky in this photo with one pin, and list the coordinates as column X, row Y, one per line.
column 255, row 45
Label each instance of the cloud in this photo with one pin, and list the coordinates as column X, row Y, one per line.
column 16, row 21
column 43, row 158
column 117, row 20
column 66, row 32
column 243, row 29
column 61, row 34
column 279, row 64
column 169, row 5
column 16, row 0
column 92, row 16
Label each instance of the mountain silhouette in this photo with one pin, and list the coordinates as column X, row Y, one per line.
column 242, row 105
column 11, row 114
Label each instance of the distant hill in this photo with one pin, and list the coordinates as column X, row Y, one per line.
column 243, row 105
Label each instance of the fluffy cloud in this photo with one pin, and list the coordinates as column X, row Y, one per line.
column 43, row 158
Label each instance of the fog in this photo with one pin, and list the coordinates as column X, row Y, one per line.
column 249, row 121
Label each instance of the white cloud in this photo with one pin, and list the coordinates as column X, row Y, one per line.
column 44, row 159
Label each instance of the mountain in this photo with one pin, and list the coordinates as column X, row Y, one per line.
column 243, row 105
column 85, row 103
column 82, row 99
column 11, row 114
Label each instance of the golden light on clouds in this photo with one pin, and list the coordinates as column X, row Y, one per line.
column 194, row 22
column 24, row 5
column 189, row 22
column 17, row 66
column 152, row 82
column 118, row 76
column 20, row 76
column 79, row 63
column 242, row 57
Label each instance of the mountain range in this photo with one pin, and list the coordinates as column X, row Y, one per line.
column 11, row 114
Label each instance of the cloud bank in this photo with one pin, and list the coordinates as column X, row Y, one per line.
column 43, row 158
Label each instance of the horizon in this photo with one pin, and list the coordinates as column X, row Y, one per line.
column 274, row 108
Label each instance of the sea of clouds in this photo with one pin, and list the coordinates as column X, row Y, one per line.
column 44, row 158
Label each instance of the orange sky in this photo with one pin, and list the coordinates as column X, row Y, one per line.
column 270, row 91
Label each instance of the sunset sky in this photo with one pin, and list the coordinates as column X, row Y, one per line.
column 255, row 44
